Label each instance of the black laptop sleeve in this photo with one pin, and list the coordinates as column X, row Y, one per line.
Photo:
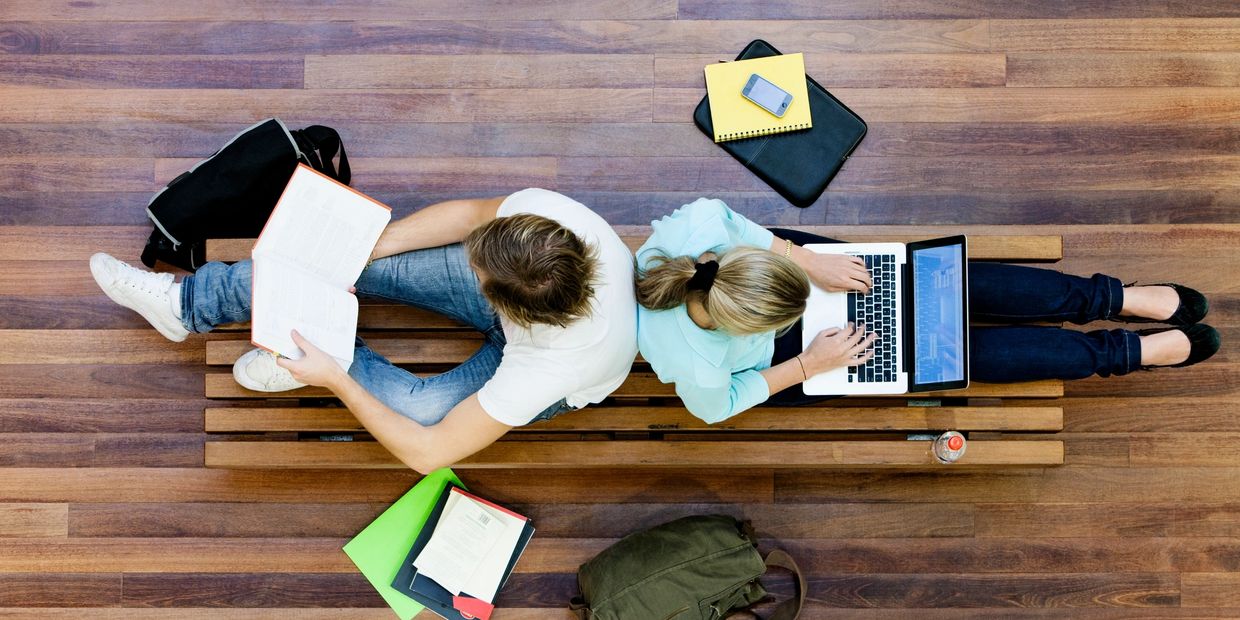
column 797, row 164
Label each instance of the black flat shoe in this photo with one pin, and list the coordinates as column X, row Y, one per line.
column 1203, row 343
column 1192, row 309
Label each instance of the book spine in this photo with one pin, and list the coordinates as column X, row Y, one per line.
column 740, row 135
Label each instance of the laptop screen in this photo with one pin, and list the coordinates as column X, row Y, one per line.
column 941, row 339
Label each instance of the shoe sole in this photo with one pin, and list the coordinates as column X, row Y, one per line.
column 242, row 379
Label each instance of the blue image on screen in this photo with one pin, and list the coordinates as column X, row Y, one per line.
column 938, row 314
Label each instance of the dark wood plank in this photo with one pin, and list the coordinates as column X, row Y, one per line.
column 1105, row 69
column 865, row 70
column 48, row 173
column 1059, row 484
column 1107, row 520
column 1157, row 414
column 27, row 449
column 954, row 591
column 101, row 484
column 299, row 10
column 1138, row 35
column 874, row 174
column 99, row 381
column 775, row 521
column 175, row 555
column 927, row 9
column 1049, row 139
column 243, row 106
column 150, row 72
column 47, row 588
column 222, row 519
column 1014, row 555
column 1007, row 105
column 831, row 416
column 262, row 590
column 492, row 36
column 613, row 454
column 69, row 415
column 480, row 71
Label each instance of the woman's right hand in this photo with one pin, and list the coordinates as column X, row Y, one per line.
column 835, row 347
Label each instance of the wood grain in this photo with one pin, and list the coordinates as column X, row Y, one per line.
column 46, row 588
column 243, row 106
column 1119, row 69
column 1221, row 589
column 1139, row 35
column 481, row 71
column 299, row 10
column 54, row 71
column 1006, row 105
column 637, row 454
column 926, row 9
column 33, row 520
column 829, row 417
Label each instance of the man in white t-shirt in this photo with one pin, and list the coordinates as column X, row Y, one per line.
column 547, row 282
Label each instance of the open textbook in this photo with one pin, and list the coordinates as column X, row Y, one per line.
column 313, row 248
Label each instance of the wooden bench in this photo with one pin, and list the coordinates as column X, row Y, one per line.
column 642, row 423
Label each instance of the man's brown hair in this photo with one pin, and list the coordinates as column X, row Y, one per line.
column 536, row 271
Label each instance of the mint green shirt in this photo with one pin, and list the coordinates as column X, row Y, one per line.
column 717, row 375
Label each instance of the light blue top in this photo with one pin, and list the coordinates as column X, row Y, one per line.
column 716, row 374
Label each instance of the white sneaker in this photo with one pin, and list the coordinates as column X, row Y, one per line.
column 142, row 291
column 257, row 370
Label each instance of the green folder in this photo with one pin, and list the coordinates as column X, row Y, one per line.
column 379, row 550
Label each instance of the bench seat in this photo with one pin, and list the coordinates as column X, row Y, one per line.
column 642, row 424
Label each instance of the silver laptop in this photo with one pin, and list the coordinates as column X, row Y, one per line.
column 919, row 306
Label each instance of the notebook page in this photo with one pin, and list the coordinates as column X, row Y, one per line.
column 465, row 534
column 485, row 581
column 288, row 298
column 324, row 227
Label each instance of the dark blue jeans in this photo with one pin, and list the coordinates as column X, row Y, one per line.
column 1007, row 294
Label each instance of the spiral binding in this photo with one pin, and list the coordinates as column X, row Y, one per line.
column 754, row 133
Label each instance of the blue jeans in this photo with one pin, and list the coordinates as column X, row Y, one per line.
column 436, row 279
column 1001, row 293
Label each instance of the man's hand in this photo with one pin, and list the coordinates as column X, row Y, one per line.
column 836, row 272
column 315, row 367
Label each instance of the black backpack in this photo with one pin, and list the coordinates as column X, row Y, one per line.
column 231, row 193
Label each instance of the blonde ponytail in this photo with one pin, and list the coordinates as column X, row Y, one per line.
column 754, row 291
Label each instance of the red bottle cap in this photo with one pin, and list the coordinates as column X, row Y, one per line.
column 955, row 442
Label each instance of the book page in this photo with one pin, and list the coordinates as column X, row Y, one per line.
column 324, row 227
column 463, row 538
column 288, row 298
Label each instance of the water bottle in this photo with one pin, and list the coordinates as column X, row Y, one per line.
column 948, row 447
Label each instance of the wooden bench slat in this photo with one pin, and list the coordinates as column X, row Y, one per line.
column 424, row 349
column 645, row 384
column 338, row 419
column 586, row 454
column 1015, row 248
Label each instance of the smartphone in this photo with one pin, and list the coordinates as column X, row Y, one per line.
column 766, row 95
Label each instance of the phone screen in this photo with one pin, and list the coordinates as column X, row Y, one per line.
column 767, row 95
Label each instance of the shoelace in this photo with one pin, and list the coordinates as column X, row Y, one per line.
column 157, row 283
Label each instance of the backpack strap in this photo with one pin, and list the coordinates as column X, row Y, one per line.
column 578, row 606
column 791, row 608
column 320, row 145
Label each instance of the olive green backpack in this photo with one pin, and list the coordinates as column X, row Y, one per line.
column 700, row 567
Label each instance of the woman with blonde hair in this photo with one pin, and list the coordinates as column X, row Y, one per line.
column 720, row 301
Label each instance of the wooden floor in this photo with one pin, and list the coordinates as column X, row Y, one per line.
column 1113, row 122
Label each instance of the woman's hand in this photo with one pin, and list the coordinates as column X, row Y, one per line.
column 835, row 347
column 315, row 367
column 835, row 272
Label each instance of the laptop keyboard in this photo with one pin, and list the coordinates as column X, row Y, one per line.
column 877, row 311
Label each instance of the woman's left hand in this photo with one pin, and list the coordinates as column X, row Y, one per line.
column 315, row 367
column 837, row 272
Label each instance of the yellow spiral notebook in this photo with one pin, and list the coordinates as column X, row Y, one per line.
column 735, row 117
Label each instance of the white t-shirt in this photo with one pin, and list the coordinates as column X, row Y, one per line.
column 588, row 359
